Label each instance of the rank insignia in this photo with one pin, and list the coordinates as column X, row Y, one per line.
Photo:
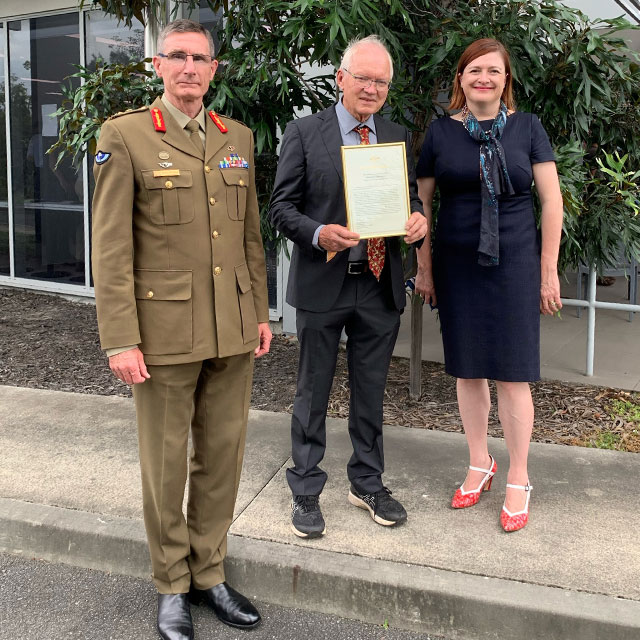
column 233, row 161
column 158, row 120
column 216, row 120
column 102, row 157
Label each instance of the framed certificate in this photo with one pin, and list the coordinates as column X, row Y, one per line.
column 376, row 189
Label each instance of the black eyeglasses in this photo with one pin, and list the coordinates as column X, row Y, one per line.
column 179, row 58
column 364, row 83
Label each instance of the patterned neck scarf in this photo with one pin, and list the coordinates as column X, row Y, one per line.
column 494, row 180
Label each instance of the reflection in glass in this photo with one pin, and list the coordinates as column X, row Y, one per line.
column 4, row 208
column 211, row 20
column 47, row 200
column 111, row 42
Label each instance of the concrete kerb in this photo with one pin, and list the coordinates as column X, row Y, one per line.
column 437, row 601
column 79, row 538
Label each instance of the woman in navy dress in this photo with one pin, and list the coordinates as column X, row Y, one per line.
column 491, row 276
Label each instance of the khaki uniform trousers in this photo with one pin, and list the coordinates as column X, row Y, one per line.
column 212, row 397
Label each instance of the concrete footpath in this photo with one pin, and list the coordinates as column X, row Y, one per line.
column 70, row 492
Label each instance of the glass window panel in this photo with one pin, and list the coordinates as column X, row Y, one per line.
column 112, row 42
column 4, row 209
column 47, row 200
column 211, row 20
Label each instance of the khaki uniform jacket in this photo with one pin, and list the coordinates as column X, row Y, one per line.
column 178, row 262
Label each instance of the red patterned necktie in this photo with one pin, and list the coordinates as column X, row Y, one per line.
column 375, row 246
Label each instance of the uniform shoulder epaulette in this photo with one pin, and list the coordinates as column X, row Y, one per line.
column 228, row 122
column 127, row 112
column 221, row 115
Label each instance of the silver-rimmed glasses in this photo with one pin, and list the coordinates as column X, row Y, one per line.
column 364, row 83
column 179, row 58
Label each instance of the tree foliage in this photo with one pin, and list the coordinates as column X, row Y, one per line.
column 578, row 76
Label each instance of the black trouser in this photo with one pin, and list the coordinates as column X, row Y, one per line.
column 371, row 323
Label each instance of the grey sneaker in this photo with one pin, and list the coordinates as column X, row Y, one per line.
column 384, row 509
column 306, row 517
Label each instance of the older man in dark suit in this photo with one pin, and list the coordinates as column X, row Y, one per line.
column 359, row 289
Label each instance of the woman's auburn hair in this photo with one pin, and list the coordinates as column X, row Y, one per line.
column 475, row 50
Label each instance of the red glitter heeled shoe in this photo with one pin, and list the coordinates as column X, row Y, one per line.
column 514, row 521
column 462, row 498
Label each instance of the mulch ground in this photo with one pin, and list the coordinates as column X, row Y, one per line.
column 48, row 342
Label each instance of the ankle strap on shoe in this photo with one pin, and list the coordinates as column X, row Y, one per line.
column 527, row 487
column 484, row 470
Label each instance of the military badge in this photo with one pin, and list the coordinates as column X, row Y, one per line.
column 233, row 161
column 102, row 157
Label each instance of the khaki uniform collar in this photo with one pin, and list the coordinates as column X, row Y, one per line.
column 182, row 118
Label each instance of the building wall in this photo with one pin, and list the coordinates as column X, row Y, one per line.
column 13, row 8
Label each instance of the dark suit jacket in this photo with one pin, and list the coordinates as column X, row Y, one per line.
column 308, row 191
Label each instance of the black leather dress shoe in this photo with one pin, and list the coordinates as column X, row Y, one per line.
column 174, row 617
column 231, row 607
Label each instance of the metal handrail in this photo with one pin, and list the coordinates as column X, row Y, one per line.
column 591, row 304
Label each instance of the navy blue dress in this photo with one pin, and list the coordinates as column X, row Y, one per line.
column 490, row 316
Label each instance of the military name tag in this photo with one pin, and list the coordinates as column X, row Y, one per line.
column 165, row 173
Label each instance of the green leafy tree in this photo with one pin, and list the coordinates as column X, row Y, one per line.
column 577, row 75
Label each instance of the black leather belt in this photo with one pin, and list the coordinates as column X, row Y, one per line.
column 357, row 268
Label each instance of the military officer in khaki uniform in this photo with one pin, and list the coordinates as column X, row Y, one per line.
column 181, row 297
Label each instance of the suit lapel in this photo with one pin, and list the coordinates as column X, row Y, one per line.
column 332, row 138
column 383, row 133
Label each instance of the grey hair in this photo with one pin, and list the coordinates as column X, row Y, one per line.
column 347, row 56
column 185, row 26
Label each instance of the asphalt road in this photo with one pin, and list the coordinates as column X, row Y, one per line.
column 44, row 601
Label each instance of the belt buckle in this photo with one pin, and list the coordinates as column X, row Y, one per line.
column 356, row 268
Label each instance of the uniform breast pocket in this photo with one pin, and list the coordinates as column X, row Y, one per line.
column 171, row 199
column 237, row 183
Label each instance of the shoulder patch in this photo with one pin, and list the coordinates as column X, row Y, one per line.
column 102, row 157
column 127, row 112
